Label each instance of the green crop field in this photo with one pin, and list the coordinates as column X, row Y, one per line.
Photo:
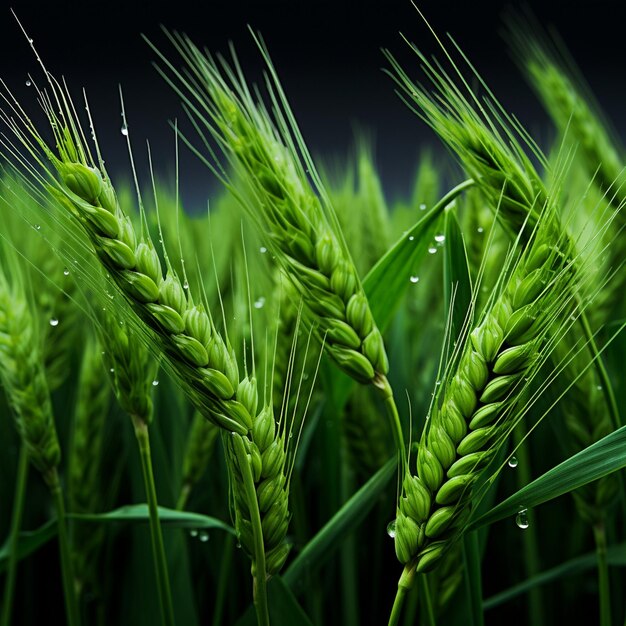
column 308, row 404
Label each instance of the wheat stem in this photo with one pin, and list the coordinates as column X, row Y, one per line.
column 384, row 388
column 223, row 581
column 16, row 523
column 422, row 581
column 258, row 564
column 156, row 536
column 183, row 497
column 598, row 363
column 404, row 585
column 67, row 568
column 531, row 545
column 599, row 533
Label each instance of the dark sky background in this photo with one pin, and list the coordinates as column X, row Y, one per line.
column 326, row 53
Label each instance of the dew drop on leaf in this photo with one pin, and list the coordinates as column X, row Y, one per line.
column 521, row 519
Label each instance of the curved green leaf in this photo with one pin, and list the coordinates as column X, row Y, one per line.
column 329, row 538
column 599, row 459
column 134, row 513
column 29, row 541
column 387, row 282
column 616, row 556
column 457, row 283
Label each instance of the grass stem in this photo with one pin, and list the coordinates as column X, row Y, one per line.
column 16, row 524
column 404, row 585
column 424, row 589
column 156, row 536
column 67, row 569
column 258, row 564
column 599, row 533
column 183, row 497
column 532, row 562
column 222, row 582
column 386, row 392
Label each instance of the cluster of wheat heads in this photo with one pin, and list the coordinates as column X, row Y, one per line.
column 526, row 313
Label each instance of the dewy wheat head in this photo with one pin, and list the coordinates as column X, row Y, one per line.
column 465, row 342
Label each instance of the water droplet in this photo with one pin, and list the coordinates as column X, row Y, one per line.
column 36, row 226
column 30, row 40
column 28, row 83
column 103, row 353
column 513, row 461
column 238, row 545
column 391, row 528
column 411, row 238
column 440, row 238
column 66, row 272
column 185, row 285
column 599, row 387
column 414, row 279
column 259, row 303
column 521, row 519
column 262, row 249
column 155, row 383
column 203, row 536
column 54, row 321
column 432, row 250
column 112, row 370
column 422, row 207
column 480, row 229
column 124, row 130
column 193, row 533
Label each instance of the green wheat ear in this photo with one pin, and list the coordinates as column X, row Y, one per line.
column 278, row 186
column 22, row 367
column 275, row 171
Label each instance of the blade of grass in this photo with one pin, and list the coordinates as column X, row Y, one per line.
column 29, row 541
column 16, row 523
column 473, row 577
column 342, row 523
column 616, row 556
column 599, row 459
column 135, row 513
column 388, row 280
column 457, row 283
